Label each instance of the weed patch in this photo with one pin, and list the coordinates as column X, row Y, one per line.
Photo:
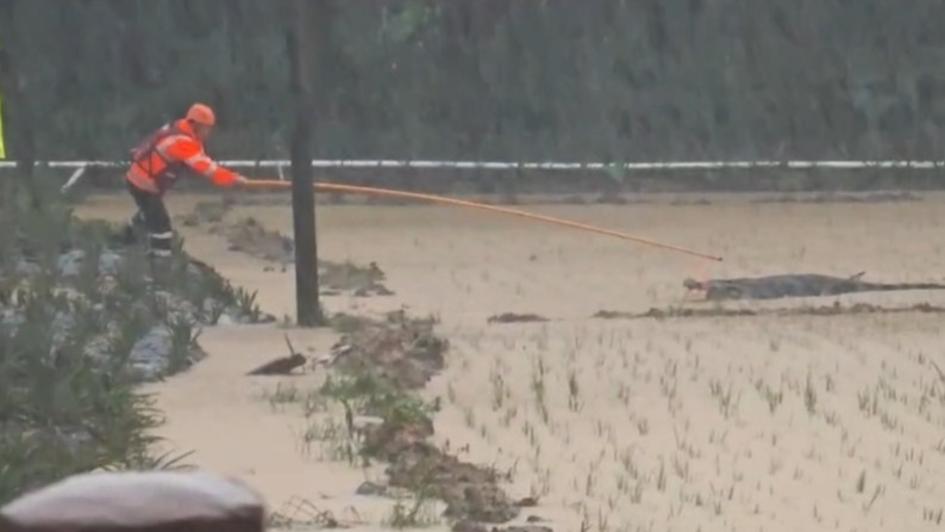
column 380, row 364
column 84, row 318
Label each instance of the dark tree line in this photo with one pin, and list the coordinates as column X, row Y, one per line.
column 492, row 79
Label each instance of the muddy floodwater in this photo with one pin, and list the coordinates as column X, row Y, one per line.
column 755, row 418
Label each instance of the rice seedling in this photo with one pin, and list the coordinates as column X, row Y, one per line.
column 539, row 372
column 574, row 392
column 933, row 516
column 724, row 396
column 500, row 390
column 283, row 394
column 810, row 396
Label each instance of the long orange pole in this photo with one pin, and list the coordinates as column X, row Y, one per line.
column 372, row 191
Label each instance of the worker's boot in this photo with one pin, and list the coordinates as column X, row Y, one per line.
column 161, row 257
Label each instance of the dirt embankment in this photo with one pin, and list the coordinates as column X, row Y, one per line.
column 86, row 317
column 382, row 363
column 249, row 236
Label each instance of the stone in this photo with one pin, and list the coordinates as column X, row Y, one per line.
column 226, row 319
column 151, row 353
column 97, row 349
column 70, row 264
column 177, row 307
column 60, row 328
column 11, row 318
column 26, row 268
column 110, row 263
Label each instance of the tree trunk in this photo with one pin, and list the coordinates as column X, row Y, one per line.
column 303, row 194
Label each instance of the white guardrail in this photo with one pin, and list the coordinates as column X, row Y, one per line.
column 550, row 165
column 279, row 164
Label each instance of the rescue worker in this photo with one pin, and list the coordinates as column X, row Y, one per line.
column 156, row 164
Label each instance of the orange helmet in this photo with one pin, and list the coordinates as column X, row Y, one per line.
column 201, row 114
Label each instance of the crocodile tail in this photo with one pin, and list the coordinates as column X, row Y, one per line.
column 908, row 286
column 925, row 286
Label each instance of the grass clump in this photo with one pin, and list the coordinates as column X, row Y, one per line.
column 76, row 305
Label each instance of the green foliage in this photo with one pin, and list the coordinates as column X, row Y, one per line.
column 601, row 80
column 169, row 461
column 363, row 393
column 409, row 21
column 60, row 413
column 246, row 302
column 68, row 397
column 369, row 394
column 413, row 514
column 184, row 336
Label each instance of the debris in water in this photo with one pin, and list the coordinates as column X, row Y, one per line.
column 833, row 197
column 250, row 237
column 527, row 502
column 372, row 489
column 206, row 212
column 282, row 365
column 511, row 317
column 403, row 350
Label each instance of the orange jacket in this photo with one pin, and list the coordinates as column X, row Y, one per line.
column 157, row 161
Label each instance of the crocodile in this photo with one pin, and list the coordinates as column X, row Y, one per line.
column 795, row 285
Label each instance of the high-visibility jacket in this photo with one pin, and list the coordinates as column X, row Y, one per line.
column 173, row 148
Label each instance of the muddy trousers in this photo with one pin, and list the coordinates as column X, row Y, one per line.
column 152, row 216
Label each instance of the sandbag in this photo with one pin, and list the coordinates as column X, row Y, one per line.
column 142, row 502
